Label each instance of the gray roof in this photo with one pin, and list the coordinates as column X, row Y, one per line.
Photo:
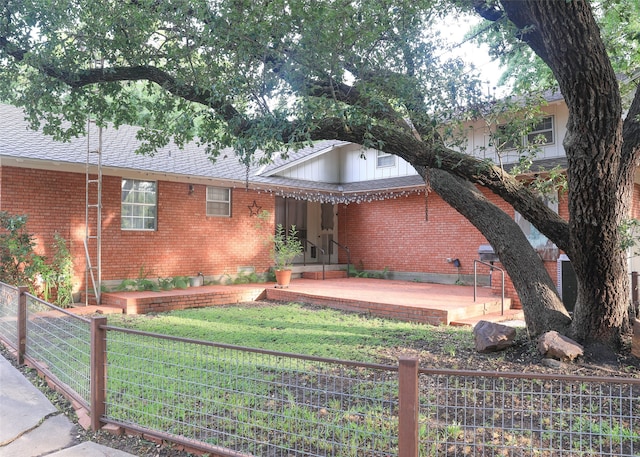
column 18, row 141
column 118, row 145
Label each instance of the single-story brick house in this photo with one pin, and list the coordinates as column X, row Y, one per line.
column 178, row 213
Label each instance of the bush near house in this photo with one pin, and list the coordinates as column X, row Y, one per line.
column 21, row 265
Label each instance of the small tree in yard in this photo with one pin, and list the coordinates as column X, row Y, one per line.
column 282, row 73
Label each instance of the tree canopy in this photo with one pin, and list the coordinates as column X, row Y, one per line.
column 277, row 73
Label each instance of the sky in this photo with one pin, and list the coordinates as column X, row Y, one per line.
column 454, row 29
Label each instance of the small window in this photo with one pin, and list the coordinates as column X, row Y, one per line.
column 542, row 132
column 218, row 201
column 139, row 205
column 385, row 160
column 504, row 139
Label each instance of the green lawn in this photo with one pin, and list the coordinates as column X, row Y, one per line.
column 296, row 329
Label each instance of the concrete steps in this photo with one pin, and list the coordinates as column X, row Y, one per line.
column 509, row 315
column 331, row 274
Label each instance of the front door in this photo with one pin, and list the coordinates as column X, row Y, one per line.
column 322, row 230
column 316, row 224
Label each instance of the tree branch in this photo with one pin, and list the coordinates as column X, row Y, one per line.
column 436, row 155
column 398, row 137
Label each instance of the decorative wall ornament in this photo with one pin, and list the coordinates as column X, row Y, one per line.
column 254, row 209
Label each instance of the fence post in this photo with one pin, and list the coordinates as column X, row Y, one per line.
column 98, row 370
column 409, row 406
column 22, row 323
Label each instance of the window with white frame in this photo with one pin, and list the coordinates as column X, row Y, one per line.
column 544, row 246
column 139, row 205
column 385, row 160
column 542, row 132
column 218, row 201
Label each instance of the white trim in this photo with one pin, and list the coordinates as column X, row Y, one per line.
column 300, row 160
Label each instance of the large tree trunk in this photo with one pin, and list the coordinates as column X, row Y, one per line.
column 542, row 307
column 566, row 37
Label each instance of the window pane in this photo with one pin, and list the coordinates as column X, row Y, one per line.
column 542, row 132
column 504, row 139
column 217, row 193
column 385, row 160
column 138, row 209
column 218, row 201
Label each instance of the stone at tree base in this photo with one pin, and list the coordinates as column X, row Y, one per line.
column 492, row 337
column 554, row 345
column 635, row 342
column 552, row 363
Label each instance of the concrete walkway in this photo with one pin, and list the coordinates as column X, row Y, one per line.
column 30, row 426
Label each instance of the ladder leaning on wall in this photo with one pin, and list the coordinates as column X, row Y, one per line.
column 93, row 212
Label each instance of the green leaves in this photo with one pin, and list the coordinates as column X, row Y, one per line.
column 220, row 71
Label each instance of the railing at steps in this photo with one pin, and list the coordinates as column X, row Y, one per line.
column 475, row 279
column 313, row 246
column 348, row 255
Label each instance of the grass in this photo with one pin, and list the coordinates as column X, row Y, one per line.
column 306, row 401
column 297, row 329
column 263, row 404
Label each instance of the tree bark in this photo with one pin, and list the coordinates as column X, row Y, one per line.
column 566, row 36
column 543, row 309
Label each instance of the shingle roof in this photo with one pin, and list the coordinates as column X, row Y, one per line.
column 118, row 145
column 18, row 141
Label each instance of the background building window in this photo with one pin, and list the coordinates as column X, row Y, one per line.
column 218, row 201
column 385, row 160
column 505, row 139
column 139, row 205
column 542, row 132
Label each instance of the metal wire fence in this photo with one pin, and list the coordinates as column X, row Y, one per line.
column 496, row 414
column 254, row 402
column 9, row 297
column 60, row 342
column 240, row 401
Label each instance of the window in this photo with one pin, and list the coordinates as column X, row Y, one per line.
column 385, row 160
column 139, row 205
column 544, row 246
column 504, row 139
column 218, row 201
column 507, row 137
column 542, row 132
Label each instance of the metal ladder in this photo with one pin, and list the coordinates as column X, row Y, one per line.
column 93, row 212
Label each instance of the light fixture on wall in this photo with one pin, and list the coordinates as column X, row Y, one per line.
column 191, row 189
column 456, row 263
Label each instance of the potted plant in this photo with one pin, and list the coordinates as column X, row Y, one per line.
column 283, row 251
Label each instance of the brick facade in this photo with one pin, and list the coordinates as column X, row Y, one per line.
column 186, row 240
column 393, row 234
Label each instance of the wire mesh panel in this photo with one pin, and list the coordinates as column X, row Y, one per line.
column 9, row 297
column 252, row 402
column 486, row 415
column 60, row 342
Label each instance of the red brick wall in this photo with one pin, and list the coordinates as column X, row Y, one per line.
column 395, row 234
column 391, row 233
column 186, row 240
